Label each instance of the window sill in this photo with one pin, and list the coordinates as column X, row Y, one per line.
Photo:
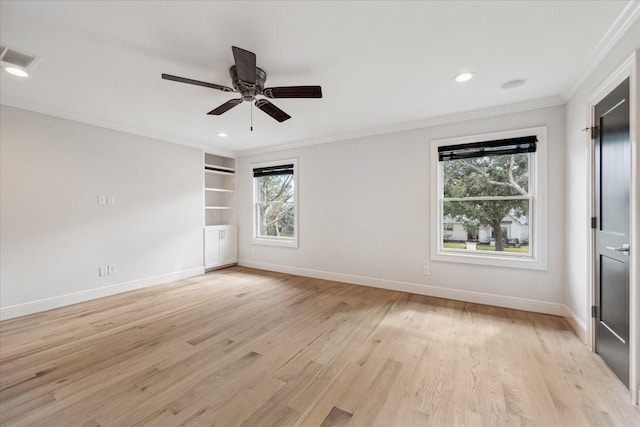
column 275, row 242
column 506, row 261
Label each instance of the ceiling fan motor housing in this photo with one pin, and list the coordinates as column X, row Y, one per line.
column 248, row 90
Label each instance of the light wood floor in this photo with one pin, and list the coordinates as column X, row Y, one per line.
column 241, row 347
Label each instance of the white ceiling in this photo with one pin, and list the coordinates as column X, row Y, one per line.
column 380, row 64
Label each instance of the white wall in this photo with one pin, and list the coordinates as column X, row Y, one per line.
column 53, row 233
column 364, row 216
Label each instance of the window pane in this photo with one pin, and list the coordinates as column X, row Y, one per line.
column 496, row 225
column 275, row 206
column 275, row 220
column 275, row 188
column 504, row 175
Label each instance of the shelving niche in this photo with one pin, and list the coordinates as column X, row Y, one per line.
column 219, row 190
column 220, row 230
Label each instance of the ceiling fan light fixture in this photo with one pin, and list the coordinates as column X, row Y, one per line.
column 463, row 77
column 16, row 71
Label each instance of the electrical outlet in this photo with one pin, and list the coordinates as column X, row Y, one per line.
column 112, row 269
column 111, row 200
column 426, row 270
column 102, row 271
column 102, row 199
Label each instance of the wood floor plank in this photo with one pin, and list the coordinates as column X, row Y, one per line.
column 246, row 347
column 320, row 410
column 244, row 403
column 336, row 418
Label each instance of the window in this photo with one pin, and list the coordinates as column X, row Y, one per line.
column 488, row 196
column 275, row 207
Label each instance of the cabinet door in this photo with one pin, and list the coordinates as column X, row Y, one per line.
column 229, row 246
column 212, row 253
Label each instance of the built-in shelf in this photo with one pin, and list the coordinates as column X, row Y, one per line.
column 219, row 168
column 220, row 230
column 219, row 194
column 218, row 172
column 219, row 190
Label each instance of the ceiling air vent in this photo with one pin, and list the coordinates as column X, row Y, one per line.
column 11, row 57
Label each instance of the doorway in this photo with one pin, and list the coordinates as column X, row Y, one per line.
column 612, row 236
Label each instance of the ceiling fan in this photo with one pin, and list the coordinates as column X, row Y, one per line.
column 248, row 80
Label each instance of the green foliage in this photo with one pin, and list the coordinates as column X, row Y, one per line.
column 523, row 249
column 501, row 176
column 504, row 175
column 454, row 245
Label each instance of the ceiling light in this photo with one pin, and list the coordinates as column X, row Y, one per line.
column 16, row 62
column 16, row 71
column 463, row 77
column 513, row 83
column 221, row 134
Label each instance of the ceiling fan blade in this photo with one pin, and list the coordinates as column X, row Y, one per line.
column 272, row 110
column 196, row 82
column 225, row 107
column 245, row 64
column 293, row 92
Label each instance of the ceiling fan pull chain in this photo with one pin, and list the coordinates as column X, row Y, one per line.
column 251, row 116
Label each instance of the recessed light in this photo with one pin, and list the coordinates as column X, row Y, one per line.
column 463, row 77
column 513, row 83
column 16, row 71
column 221, row 134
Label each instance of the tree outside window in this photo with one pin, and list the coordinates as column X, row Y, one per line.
column 481, row 192
column 275, row 206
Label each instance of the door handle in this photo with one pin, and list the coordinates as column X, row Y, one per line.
column 624, row 248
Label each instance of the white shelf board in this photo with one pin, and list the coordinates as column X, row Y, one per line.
column 225, row 168
column 212, row 165
column 218, row 207
column 220, row 190
column 219, row 172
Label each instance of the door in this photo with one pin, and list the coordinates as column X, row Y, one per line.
column 212, row 247
column 228, row 246
column 612, row 182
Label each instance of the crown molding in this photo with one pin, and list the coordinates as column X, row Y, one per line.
column 425, row 123
column 627, row 18
column 54, row 112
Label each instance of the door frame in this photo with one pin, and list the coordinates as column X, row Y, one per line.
column 629, row 68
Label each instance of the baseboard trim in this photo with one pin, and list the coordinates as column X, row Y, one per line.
column 577, row 324
column 76, row 297
column 417, row 288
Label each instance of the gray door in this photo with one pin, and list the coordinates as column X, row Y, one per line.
column 612, row 181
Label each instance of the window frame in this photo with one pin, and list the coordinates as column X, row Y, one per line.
column 275, row 241
column 538, row 189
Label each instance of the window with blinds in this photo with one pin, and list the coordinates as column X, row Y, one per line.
column 275, row 208
column 486, row 199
